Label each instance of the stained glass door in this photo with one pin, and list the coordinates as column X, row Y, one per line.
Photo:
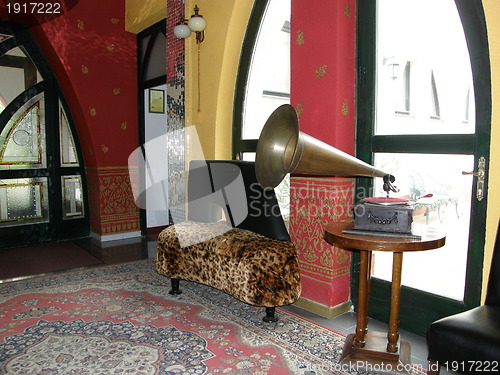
column 42, row 195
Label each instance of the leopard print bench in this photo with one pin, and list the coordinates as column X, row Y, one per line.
column 251, row 267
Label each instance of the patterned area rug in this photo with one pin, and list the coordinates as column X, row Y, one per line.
column 121, row 320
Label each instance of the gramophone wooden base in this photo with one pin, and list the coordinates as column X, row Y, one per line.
column 374, row 357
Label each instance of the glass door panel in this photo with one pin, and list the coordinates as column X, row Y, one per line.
column 418, row 118
column 69, row 157
column 23, row 201
column 424, row 86
column 22, row 141
column 72, row 197
column 424, row 76
column 441, row 195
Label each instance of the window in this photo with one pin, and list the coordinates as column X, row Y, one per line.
column 435, row 111
column 403, row 91
column 263, row 82
column 42, row 186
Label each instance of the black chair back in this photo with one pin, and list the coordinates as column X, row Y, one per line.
column 493, row 291
column 230, row 186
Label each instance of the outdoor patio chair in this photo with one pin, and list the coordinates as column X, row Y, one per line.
column 234, row 240
column 440, row 195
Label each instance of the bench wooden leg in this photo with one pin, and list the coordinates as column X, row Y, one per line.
column 270, row 315
column 175, row 287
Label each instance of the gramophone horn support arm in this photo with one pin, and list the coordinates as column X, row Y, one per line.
column 388, row 184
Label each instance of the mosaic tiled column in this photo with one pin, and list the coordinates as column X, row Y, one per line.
column 175, row 113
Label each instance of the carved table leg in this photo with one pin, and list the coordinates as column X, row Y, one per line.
column 363, row 297
column 393, row 334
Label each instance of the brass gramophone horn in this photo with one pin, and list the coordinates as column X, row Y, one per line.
column 283, row 149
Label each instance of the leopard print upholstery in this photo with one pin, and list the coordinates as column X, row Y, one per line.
column 252, row 268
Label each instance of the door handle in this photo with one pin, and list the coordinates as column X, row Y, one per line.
column 480, row 174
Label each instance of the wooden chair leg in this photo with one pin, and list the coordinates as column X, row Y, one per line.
column 433, row 368
column 270, row 315
column 175, row 287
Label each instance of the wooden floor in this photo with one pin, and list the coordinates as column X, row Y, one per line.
column 27, row 261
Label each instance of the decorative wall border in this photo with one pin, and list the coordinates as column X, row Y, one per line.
column 112, row 207
column 325, row 269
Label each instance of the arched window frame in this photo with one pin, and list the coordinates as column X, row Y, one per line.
column 59, row 174
column 241, row 145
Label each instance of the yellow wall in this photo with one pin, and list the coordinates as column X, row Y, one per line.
column 219, row 58
column 140, row 14
column 492, row 12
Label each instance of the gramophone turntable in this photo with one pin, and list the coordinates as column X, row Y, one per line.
column 283, row 149
column 384, row 216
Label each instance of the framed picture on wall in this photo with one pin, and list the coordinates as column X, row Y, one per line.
column 156, row 101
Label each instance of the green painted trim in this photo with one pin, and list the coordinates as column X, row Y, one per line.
column 437, row 144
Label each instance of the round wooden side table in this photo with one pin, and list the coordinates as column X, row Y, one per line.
column 372, row 348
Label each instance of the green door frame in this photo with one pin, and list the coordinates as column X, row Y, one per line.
column 419, row 309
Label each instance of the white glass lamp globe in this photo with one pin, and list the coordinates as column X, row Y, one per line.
column 182, row 31
column 197, row 23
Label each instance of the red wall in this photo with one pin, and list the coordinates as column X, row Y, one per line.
column 94, row 60
column 322, row 91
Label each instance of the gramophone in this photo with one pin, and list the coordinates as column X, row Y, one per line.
column 283, row 149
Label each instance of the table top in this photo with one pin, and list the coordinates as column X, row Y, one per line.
column 432, row 238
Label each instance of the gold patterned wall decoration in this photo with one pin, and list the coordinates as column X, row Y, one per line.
column 299, row 107
column 347, row 10
column 315, row 202
column 114, row 211
column 300, row 37
column 321, row 71
column 345, row 108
